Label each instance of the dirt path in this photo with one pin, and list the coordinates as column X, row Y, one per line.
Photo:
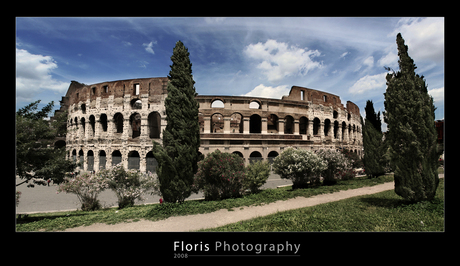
column 223, row 217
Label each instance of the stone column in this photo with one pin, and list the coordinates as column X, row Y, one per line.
column 296, row 127
column 264, row 125
column 246, row 125
column 227, row 125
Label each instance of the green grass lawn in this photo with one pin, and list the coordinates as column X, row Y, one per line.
column 57, row 221
column 383, row 211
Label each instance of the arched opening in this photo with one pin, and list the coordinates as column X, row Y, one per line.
column 271, row 156
column 236, row 123
column 238, row 153
column 272, row 123
column 255, row 105
column 288, row 125
column 303, row 125
column 90, row 160
column 154, row 123
column 118, row 121
column 255, row 156
column 316, row 125
column 92, row 123
column 102, row 159
column 151, row 163
column 116, row 157
column 255, row 123
column 327, row 126
column 136, row 104
column 336, row 129
column 217, row 104
column 133, row 160
column 59, row 144
column 135, row 122
column 103, row 120
column 335, row 114
column 81, row 158
column 344, row 129
column 82, row 121
column 217, row 123
column 74, row 156
column 83, row 108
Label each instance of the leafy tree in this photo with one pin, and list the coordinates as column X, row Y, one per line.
column 409, row 113
column 177, row 159
column 373, row 143
column 257, row 174
column 34, row 136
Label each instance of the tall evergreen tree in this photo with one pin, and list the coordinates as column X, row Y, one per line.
column 177, row 159
column 409, row 113
column 373, row 143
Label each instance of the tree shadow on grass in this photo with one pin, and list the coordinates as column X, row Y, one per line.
column 384, row 202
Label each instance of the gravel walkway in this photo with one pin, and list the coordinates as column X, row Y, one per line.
column 223, row 217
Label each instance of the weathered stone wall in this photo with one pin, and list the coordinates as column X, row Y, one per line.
column 117, row 121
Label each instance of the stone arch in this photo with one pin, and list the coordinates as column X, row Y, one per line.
column 135, row 123
column 133, row 160
column 255, row 156
column 236, row 123
column 154, row 125
column 288, row 125
column 102, row 159
column 103, row 121
column 151, row 163
column 217, row 103
column 116, row 157
column 272, row 123
column 118, row 121
column 255, row 104
column 255, row 124
column 327, row 126
column 217, row 123
column 316, row 126
column 303, row 125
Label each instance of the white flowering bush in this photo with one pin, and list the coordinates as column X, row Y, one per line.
column 128, row 185
column 300, row 166
column 87, row 187
column 337, row 166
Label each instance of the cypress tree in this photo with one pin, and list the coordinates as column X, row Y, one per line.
column 372, row 142
column 177, row 159
column 409, row 113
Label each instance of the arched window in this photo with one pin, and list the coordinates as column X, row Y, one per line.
column 154, row 123
column 303, row 125
column 316, row 125
column 118, row 120
column 135, row 122
column 151, row 163
column 102, row 159
column 116, row 157
column 255, row 156
column 327, row 125
column 255, row 124
column 217, row 123
column 254, row 105
column 90, row 160
column 236, row 123
column 272, row 123
column 92, row 123
column 133, row 160
column 103, row 120
column 288, row 125
column 217, row 104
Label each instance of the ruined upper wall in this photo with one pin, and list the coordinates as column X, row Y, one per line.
column 78, row 92
column 298, row 93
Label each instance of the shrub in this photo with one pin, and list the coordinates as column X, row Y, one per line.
column 337, row 165
column 128, row 185
column 220, row 175
column 87, row 187
column 256, row 175
column 300, row 166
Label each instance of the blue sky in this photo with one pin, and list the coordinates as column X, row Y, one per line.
column 231, row 56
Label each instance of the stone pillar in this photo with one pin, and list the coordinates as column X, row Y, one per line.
column 296, row 127
column 246, row 125
column 207, row 124
column 227, row 125
column 281, row 126
column 264, row 125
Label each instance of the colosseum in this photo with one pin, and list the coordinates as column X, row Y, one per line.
column 116, row 121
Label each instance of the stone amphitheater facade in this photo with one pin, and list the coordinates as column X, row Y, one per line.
column 116, row 121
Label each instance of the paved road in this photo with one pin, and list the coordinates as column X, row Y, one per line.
column 45, row 199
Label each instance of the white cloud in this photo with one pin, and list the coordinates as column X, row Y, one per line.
column 437, row 94
column 424, row 36
column 269, row 92
column 344, row 54
column 389, row 60
column 368, row 83
column 369, row 61
column 33, row 73
column 149, row 47
column 281, row 60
